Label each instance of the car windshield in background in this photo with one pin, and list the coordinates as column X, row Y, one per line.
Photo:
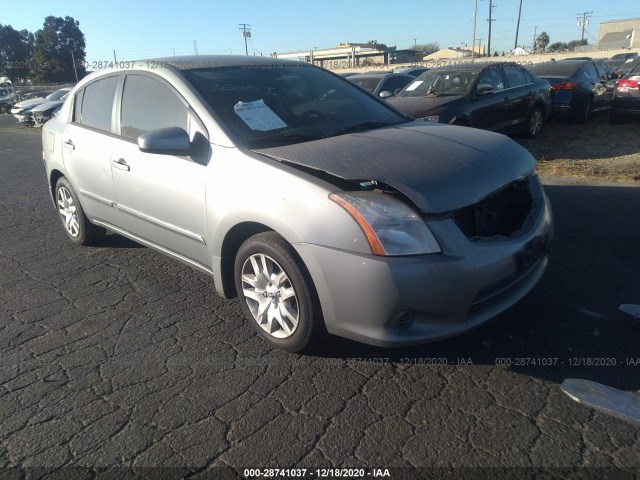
column 441, row 83
column 288, row 104
column 57, row 95
column 556, row 69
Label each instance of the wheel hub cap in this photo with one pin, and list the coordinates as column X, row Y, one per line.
column 270, row 296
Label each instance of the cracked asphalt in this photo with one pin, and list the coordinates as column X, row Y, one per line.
column 115, row 356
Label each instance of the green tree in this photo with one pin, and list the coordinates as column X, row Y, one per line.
column 542, row 41
column 15, row 52
column 56, row 46
column 558, row 47
column 576, row 43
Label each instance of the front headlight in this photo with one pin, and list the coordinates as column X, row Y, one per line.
column 390, row 226
column 430, row 118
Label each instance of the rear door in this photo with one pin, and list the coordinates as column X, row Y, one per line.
column 520, row 94
column 86, row 144
column 161, row 197
column 601, row 98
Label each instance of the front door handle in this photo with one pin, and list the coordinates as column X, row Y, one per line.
column 120, row 164
column 69, row 145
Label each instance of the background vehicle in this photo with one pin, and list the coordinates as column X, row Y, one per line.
column 22, row 110
column 7, row 95
column 381, row 83
column 413, row 71
column 43, row 112
column 581, row 87
column 626, row 98
column 493, row 96
column 317, row 204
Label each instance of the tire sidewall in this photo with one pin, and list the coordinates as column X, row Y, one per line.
column 82, row 222
column 534, row 111
column 307, row 317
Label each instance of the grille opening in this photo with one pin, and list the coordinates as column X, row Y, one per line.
column 501, row 214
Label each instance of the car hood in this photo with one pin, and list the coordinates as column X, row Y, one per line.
column 30, row 103
column 46, row 105
column 420, row 106
column 440, row 168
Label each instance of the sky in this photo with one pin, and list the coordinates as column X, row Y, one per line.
column 144, row 29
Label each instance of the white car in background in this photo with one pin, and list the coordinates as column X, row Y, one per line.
column 22, row 110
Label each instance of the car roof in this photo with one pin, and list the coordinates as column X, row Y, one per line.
column 475, row 66
column 378, row 75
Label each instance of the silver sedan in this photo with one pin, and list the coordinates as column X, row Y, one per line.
column 321, row 207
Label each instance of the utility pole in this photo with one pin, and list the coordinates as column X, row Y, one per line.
column 515, row 45
column 475, row 15
column 585, row 21
column 114, row 57
column 75, row 70
column 489, row 37
column 195, row 47
column 535, row 37
column 480, row 46
column 245, row 28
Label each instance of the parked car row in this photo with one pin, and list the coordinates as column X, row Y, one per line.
column 36, row 111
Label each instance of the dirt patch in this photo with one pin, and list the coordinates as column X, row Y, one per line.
column 597, row 150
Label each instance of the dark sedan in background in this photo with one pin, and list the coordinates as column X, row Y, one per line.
column 581, row 87
column 626, row 98
column 500, row 96
column 383, row 84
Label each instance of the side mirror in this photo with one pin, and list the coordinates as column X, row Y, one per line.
column 166, row 141
column 385, row 94
column 484, row 89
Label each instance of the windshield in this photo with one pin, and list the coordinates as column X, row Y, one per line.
column 4, row 91
column 57, row 95
column 279, row 104
column 440, row 83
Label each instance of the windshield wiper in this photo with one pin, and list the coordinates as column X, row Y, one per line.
column 364, row 126
column 273, row 140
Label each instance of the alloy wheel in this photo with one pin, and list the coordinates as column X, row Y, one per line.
column 270, row 296
column 68, row 211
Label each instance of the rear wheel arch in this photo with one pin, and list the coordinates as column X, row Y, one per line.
column 53, row 180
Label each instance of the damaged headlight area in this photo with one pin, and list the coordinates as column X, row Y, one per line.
column 390, row 226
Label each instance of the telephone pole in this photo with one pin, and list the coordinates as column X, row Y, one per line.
column 489, row 37
column 585, row 21
column 515, row 45
column 535, row 31
column 245, row 28
column 195, row 47
column 475, row 14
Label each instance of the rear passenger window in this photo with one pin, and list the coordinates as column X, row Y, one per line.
column 591, row 70
column 97, row 104
column 147, row 105
column 515, row 76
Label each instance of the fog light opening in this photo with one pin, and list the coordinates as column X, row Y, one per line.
column 402, row 320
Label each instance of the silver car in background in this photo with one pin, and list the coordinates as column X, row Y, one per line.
column 322, row 208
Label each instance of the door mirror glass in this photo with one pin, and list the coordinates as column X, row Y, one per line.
column 484, row 89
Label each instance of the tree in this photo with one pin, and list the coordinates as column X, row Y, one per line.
column 558, row 47
column 424, row 49
column 542, row 41
column 56, row 46
column 15, row 52
column 576, row 43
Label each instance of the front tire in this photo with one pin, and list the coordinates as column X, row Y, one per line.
column 276, row 293
column 75, row 222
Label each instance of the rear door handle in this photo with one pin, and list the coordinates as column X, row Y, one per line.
column 69, row 144
column 120, row 164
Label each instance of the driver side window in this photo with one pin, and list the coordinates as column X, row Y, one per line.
column 492, row 77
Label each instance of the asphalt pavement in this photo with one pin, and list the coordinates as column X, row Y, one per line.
column 116, row 356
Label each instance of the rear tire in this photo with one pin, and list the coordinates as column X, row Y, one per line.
column 584, row 114
column 277, row 294
column 534, row 123
column 76, row 224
